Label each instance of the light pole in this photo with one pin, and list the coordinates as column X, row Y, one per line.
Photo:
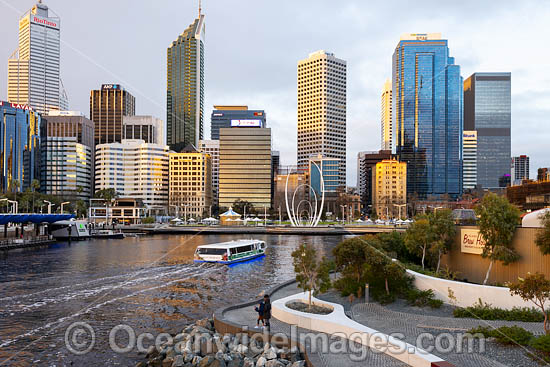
column 400, row 206
column 49, row 206
column 343, row 214
column 279, row 215
column 210, row 211
column 185, row 208
column 14, row 208
column 435, row 208
column 265, row 216
column 63, row 204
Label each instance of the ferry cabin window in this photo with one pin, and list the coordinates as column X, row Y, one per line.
column 242, row 249
column 211, row 251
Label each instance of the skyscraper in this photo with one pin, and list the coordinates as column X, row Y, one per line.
column 520, row 169
column 108, row 106
column 386, row 118
column 147, row 128
column 487, row 109
column 212, row 148
column 33, row 69
column 427, row 113
column 322, row 110
column 233, row 116
column 185, row 87
column 469, row 159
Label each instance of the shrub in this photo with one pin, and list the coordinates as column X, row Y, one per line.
column 347, row 286
column 542, row 344
column 424, row 298
column 148, row 220
column 435, row 303
column 485, row 311
column 505, row 334
column 385, row 298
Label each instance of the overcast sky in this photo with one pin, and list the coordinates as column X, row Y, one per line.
column 252, row 48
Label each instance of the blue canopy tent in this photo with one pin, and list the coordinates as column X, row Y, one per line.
column 33, row 218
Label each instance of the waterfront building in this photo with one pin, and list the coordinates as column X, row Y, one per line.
column 428, row 114
column 245, row 166
column 366, row 162
column 520, row 169
column 386, row 121
column 191, row 183
column 322, row 110
column 469, row 159
column 212, row 147
column 147, row 128
column 530, row 195
column 19, row 145
column 67, row 154
column 34, row 68
column 543, row 174
column 235, row 116
column 390, row 189
column 185, row 87
column 108, row 106
column 122, row 211
column 135, row 169
column 487, row 110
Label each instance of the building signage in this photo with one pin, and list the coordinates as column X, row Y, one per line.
column 246, row 123
column 471, row 241
column 470, row 134
column 110, row 86
column 43, row 21
column 217, row 114
column 17, row 105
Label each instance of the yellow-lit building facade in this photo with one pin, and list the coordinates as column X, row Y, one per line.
column 190, row 185
column 386, row 117
column 390, row 189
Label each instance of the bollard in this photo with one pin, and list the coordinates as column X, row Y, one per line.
column 366, row 293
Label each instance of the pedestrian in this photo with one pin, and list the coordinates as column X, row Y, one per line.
column 260, row 309
column 267, row 311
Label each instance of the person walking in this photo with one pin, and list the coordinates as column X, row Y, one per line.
column 260, row 309
column 267, row 311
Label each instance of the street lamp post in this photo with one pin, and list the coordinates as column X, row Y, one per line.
column 49, row 206
column 14, row 208
column 435, row 208
column 265, row 216
column 63, row 204
column 279, row 215
column 185, row 208
column 400, row 206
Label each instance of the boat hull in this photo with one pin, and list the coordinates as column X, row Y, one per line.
column 228, row 262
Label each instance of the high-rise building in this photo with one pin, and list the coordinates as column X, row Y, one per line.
column 275, row 164
column 135, row 169
column 67, row 155
column 469, row 159
column 428, row 114
column 366, row 163
column 212, row 148
column 191, row 182
column 487, row 110
column 296, row 189
column 322, row 110
column 108, row 106
column 386, row 117
column 147, row 128
column 329, row 170
column 390, row 189
column 245, row 166
column 19, row 143
column 235, row 116
column 520, row 169
column 33, row 69
column 543, row 174
column 185, row 87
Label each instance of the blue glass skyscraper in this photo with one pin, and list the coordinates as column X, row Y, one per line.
column 428, row 115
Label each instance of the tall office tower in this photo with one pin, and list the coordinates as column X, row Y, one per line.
column 487, row 109
column 67, row 155
column 329, row 169
column 33, row 69
column 19, row 142
column 147, row 128
column 212, row 147
column 185, row 87
column 386, row 118
column 275, row 163
column 366, row 162
column 235, row 116
column 108, row 106
column 245, row 166
column 520, row 169
column 135, row 169
column 543, row 174
column 191, row 182
column 427, row 114
column 322, row 110
column 389, row 190
column 469, row 159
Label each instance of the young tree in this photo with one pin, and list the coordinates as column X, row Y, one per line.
column 311, row 275
column 419, row 236
column 444, row 230
column 543, row 236
column 534, row 288
column 497, row 224
column 350, row 258
column 108, row 195
column 35, row 185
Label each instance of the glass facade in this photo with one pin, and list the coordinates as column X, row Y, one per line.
column 487, row 110
column 108, row 106
column 19, row 146
column 330, row 170
column 222, row 117
column 185, row 88
column 428, row 115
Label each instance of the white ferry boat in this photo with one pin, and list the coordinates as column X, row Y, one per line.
column 230, row 252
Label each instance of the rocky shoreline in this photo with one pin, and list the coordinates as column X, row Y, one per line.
column 200, row 345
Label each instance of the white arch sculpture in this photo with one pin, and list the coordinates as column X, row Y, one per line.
column 316, row 215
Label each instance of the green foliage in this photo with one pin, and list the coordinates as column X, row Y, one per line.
column 534, row 288
column 543, row 236
column 418, row 298
column 542, row 344
column 419, row 236
column 311, row 276
column 148, row 220
column 497, row 224
column 240, row 205
column 485, row 311
column 505, row 334
column 393, row 243
column 107, row 194
column 443, row 231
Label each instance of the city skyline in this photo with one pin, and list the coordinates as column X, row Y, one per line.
column 271, row 82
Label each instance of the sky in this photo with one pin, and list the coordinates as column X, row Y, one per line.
column 252, row 48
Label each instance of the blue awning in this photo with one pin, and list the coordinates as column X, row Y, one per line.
column 33, row 218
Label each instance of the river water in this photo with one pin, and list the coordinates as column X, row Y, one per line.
column 149, row 283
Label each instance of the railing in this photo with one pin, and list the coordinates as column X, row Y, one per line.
column 20, row 242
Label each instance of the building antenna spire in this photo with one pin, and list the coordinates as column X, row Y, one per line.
column 200, row 7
